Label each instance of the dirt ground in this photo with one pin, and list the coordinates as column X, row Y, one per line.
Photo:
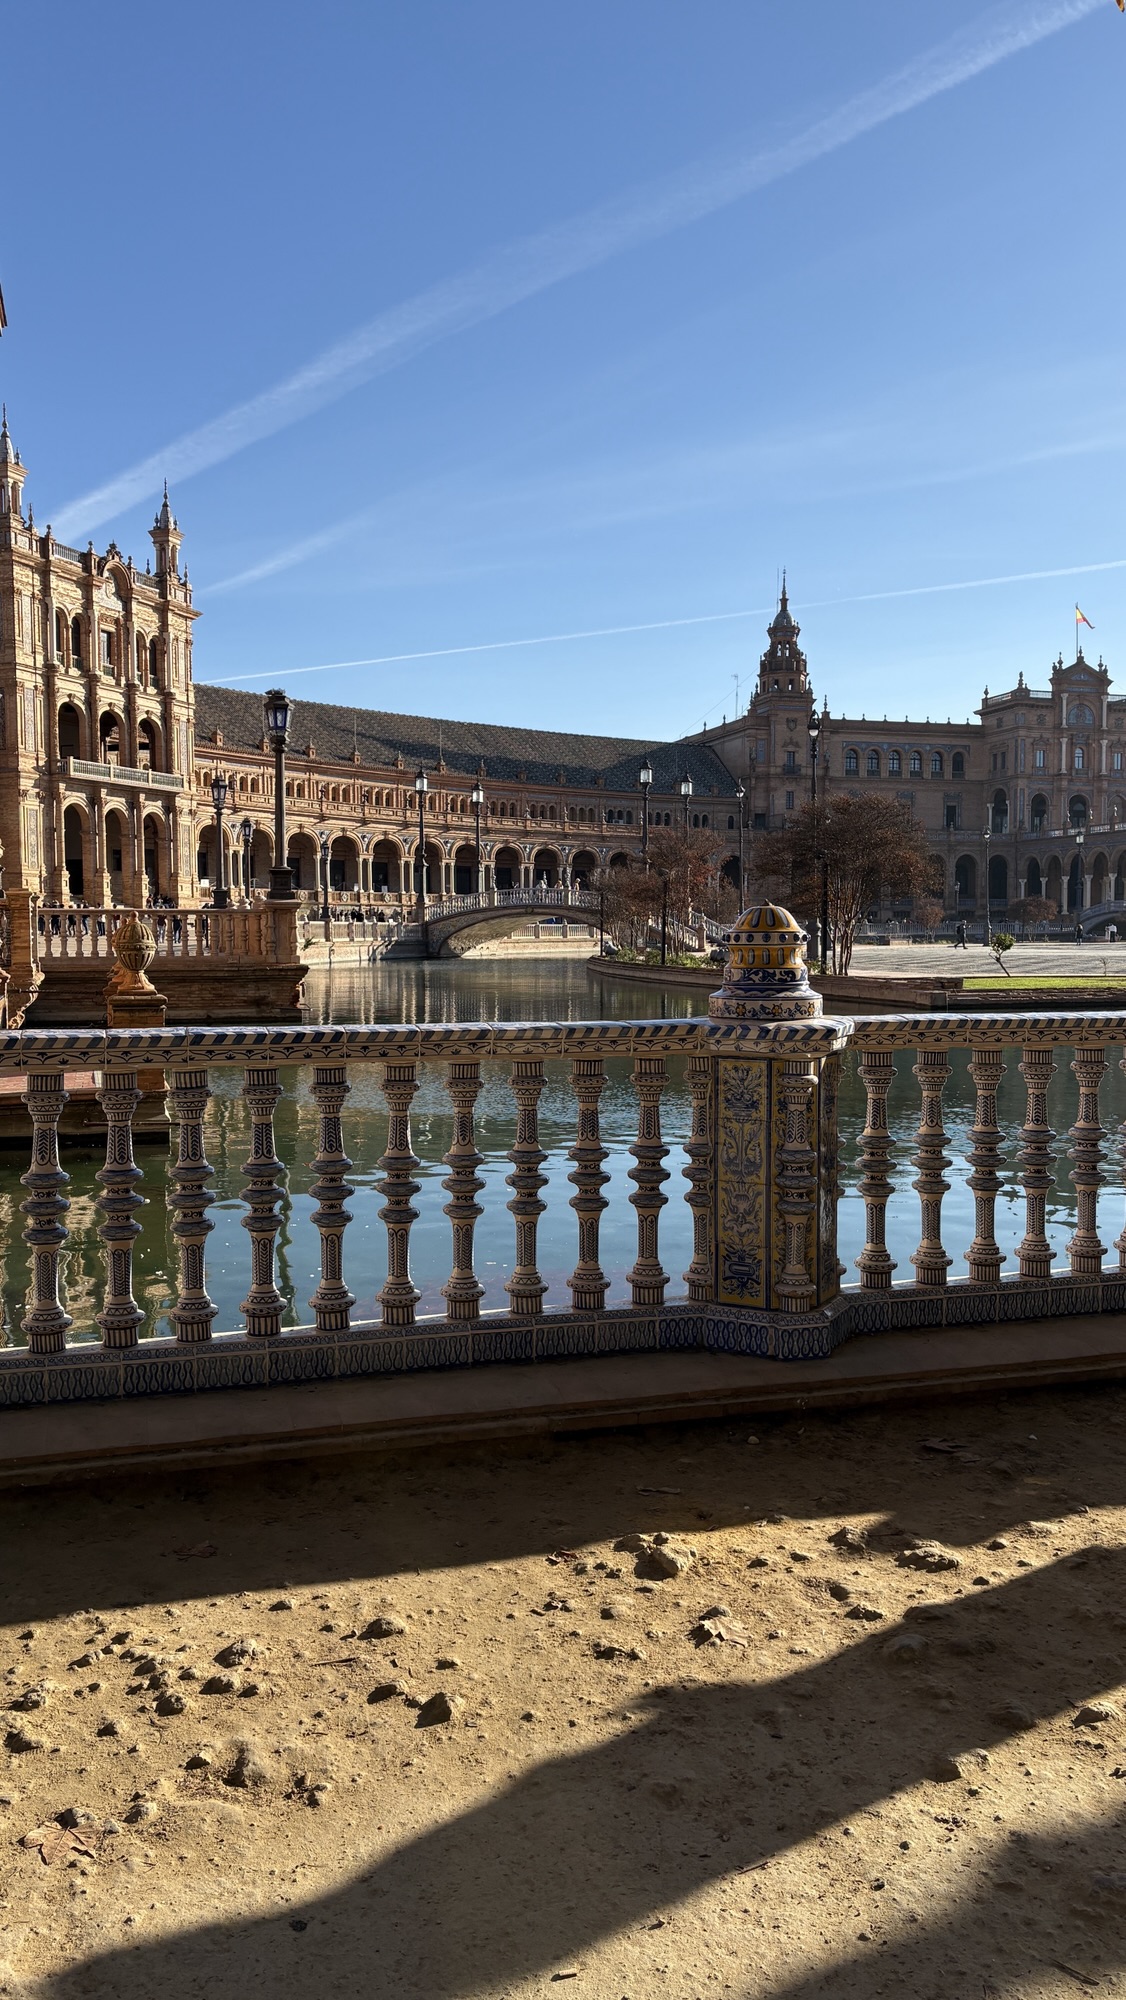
column 809, row 1764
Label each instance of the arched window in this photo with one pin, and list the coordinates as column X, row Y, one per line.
column 895, row 763
column 916, row 766
column 70, row 737
column 936, row 764
column 1080, row 757
column 76, row 641
column 703, row 819
column 154, row 663
column 873, row 763
column 731, row 822
column 1038, row 814
column 958, row 765
column 60, row 636
column 852, row 764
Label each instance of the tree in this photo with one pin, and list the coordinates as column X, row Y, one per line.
column 868, row 846
column 928, row 914
column 999, row 944
column 631, row 900
column 1033, row 910
column 691, row 860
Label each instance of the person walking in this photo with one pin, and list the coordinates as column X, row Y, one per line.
column 960, row 937
column 1078, row 932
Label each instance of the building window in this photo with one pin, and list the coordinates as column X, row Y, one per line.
column 789, row 802
column 107, row 651
column 957, row 765
column 950, row 820
column 791, row 760
column 731, row 822
column 873, row 763
column 936, row 763
column 1080, row 756
column 852, row 764
column 895, row 763
column 1040, row 758
column 916, row 763
column 1116, row 760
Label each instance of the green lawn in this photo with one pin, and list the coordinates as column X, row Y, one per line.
column 1047, row 979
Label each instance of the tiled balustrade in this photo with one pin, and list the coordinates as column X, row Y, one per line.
column 761, row 1166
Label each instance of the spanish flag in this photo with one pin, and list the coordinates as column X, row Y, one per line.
column 1121, row 6
column 1081, row 617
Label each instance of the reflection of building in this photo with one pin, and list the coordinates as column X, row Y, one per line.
column 108, row 748
column 1042, row 770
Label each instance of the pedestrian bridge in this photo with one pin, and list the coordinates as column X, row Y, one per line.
column 454, row 923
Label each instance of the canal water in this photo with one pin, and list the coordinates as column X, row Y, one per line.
column 506, row 990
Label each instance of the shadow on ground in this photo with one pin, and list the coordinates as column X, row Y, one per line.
column 481, row 1901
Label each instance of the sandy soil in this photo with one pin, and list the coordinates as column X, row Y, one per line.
column 870, row 1772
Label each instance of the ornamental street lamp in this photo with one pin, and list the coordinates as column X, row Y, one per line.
column 478, row 797
column 246, row 830
column 813, row 727
column 219, row 789
column 645, row 780
column 325, row 844
column 686, row 795
column 740, row 795
column 421, row 787
column 987, row 837
column 275, row 710
column 1080, row 837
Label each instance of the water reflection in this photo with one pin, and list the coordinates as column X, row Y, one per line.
column 497, row 989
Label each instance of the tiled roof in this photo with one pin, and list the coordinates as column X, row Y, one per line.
column 537, row 755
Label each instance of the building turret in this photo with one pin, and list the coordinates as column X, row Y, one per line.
column 782, row 669
column 166, row 538
column 12, row 475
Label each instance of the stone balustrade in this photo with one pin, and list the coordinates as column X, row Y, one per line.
column 258, row 931
column 761, row 1164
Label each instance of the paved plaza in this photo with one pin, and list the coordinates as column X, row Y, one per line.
column 1055, row 959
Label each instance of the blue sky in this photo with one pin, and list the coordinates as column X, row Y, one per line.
column 459, row 325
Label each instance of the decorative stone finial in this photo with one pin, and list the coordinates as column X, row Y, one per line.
column 134, row 948
column 765, row 978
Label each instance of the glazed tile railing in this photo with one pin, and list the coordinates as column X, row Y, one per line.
column 760, row 1163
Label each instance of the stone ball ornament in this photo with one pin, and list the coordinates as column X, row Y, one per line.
column 766, row 977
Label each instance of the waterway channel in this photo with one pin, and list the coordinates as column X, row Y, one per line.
column 504, row 989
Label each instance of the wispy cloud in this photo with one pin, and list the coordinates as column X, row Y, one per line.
column 535, row 263
column 670, row 624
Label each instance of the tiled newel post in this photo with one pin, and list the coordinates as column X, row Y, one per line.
column 777, row 1067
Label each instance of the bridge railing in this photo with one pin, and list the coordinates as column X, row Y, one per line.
column 761, row 1163
column 512, row 899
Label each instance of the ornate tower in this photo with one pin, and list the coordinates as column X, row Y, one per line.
column 782, row 668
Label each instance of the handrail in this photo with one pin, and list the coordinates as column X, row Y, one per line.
column 122, row 774
column 761, row 1168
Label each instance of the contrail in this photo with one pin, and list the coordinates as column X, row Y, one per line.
column 669, row 624
column 534, row 263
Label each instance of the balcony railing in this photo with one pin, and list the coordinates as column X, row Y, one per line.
column 760, row 1162
column 122, row 774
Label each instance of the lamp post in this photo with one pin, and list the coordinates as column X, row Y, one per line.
column 813, row 728
column 275, row 709
column 325, row 845
column 686, row 795
column 421, row 787
column 219, row 894
column 1080, row 837
column 664, row 918
column 740, row 794
column 645, row 780
column 246, row 830
column 478, row 797
column 987, row 837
